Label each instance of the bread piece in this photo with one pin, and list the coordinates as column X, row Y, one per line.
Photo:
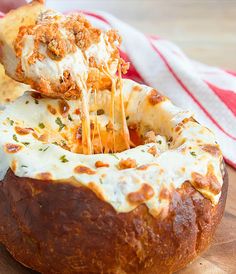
column 10, row 89
column 9, row 27
column 60, row 227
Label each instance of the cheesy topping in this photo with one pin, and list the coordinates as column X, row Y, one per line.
column 41, row 143
column 60, row 54
column 65, row 57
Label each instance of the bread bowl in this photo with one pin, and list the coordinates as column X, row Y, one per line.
column 63, row 212
column 145, row 196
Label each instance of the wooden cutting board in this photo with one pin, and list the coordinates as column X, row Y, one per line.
column 219, row 259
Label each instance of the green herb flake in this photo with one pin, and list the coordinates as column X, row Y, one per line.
column 59, row 123
column 24, row 166
column 127, row 118
column 55, row 143
column 112, row 154
column 26, row 102
column 101, row 181
column 41, row 125
column 193, row 153
column 63, row 142
column 143, row 150
column 70, row 118
column 36, row 101
column 25, row 143
column 11, row 122
column 159, row 142
column 15, row 138
column 63, row 159
column 44, row 149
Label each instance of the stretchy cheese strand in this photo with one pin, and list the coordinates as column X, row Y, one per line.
column 124, row 122
column 86, row 132
column 96, row 123
column 112, row 111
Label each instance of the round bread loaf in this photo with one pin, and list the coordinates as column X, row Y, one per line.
column 98, row 174
column 148, row 209
column 60, row 227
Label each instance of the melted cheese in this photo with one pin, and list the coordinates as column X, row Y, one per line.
column 178, row 147
column 76, row 63
column 49, row 69
column 123, row 116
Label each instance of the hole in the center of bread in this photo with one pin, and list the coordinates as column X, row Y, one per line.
column 63, row 124
column 105, row 137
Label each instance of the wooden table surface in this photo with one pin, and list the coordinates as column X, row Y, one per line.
column 205, row 30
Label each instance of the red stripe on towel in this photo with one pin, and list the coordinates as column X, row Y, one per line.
column 99, row 17
column 233, row 73
column 187, row 90
column 226, row 96
column 230, row 162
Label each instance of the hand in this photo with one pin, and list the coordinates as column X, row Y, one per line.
column 6, row 5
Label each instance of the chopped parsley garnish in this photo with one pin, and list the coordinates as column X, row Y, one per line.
column 43, row 149
column 26, row 102
column 46, row 149
column 115, row 156
column 15, row 138
column 63, row 159
column 41, row 125
column 59, row 123
column 101, row 182
column 193, row 153
column 127, row 118
column 10, row 121
column 159, row 142
column 36, row 101
column 25, row 143
column 55, row 143
column 70, row 118
column 63, row 142
column 24, row 166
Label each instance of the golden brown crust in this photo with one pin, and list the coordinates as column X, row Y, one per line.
column 127, row 163
column 9, row 27
column 145, row 193
column 12, row 148
column 99, row 164
column 155, row 97
column 61, row 227
column 10, row 89
column 208, row 182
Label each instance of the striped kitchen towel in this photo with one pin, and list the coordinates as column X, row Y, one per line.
column 209, row 92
